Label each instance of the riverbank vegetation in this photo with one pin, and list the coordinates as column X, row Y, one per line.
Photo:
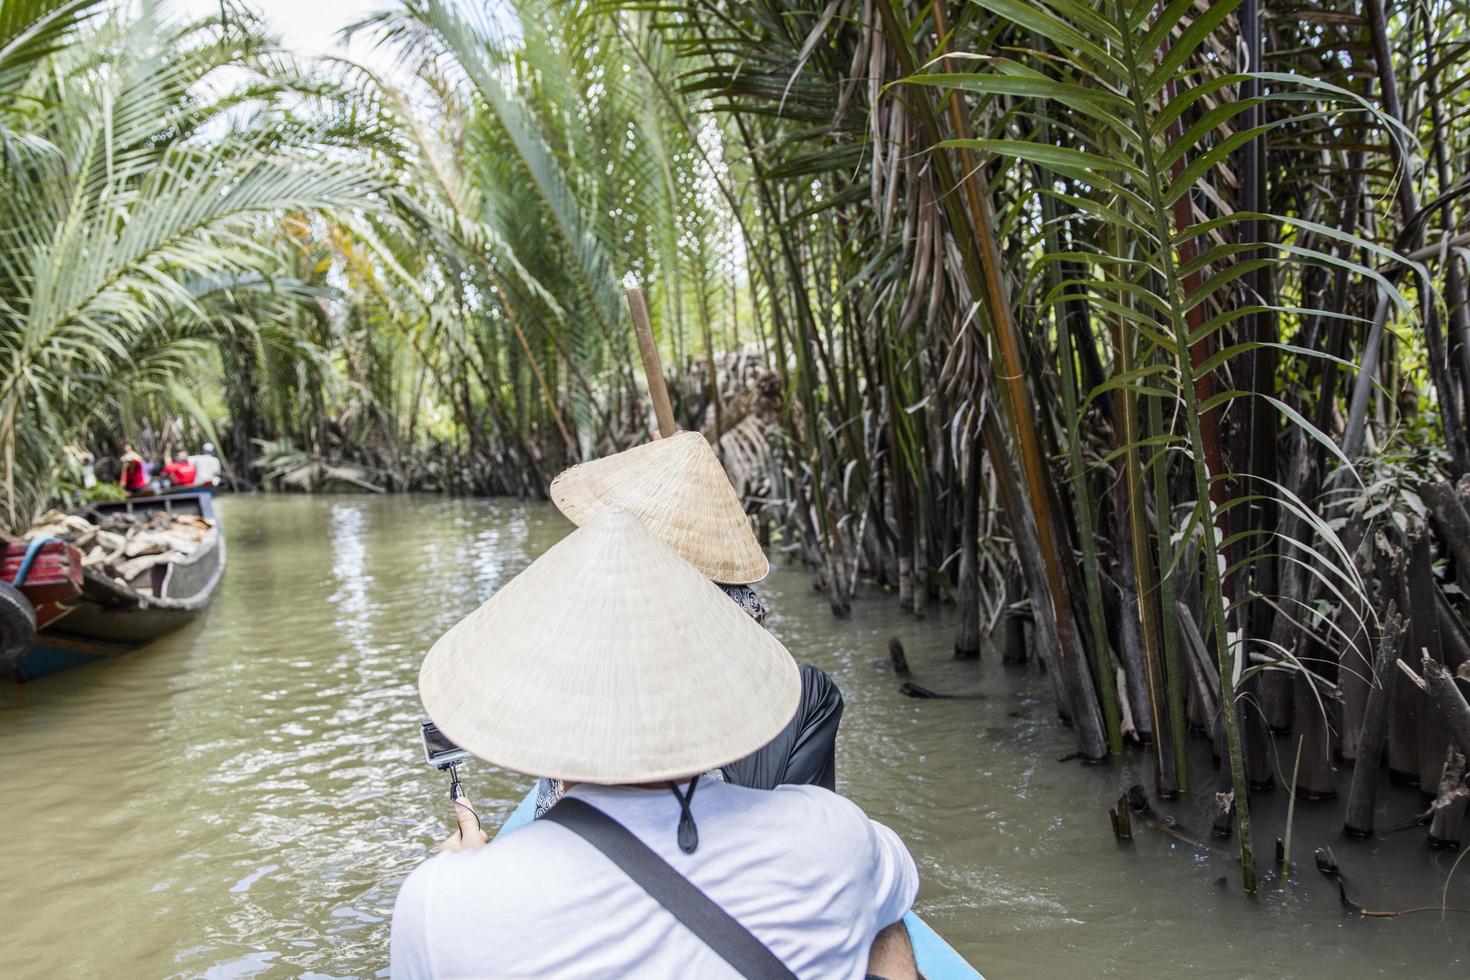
column 1136, row 330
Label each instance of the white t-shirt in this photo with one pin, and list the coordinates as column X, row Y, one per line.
column 802, row 868
column 206, row 467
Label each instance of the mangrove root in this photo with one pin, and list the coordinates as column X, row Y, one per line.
column 1120, row 814
column 896, row 657
column 1134, row 804
column 1327, row 864
column 1363, row 792
column 912, row 690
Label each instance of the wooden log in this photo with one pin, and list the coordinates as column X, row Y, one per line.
column 1355, row 663
column 1008, row 626
column 967, row 623
column 1403, row 732
column 1121, row 815
column 919, row 569
column 1130, row 638
column 1355, row 680
column 1453, row 519
column 1203, row 670
column 1293, row 590
column 1444, row 696
column 896, row 657
column 1260, row 744
column 1134, row 803
column 1013, row 643
column 911, row 690
column 658, row 389
column 1446, row 825
column 1425, row 641
column 1314, row 779
column 1363, row 793
column 1200, row 720
column 1453, row 636
column 1223, row 824
column 1277, row 701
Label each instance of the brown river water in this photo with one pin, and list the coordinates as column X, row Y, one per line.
column 242, row 798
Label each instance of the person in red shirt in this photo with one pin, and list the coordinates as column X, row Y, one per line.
column 180, row 472
column 134, row 470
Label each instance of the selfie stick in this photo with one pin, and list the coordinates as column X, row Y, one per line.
column 464, row 811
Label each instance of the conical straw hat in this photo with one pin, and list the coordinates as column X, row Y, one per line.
column 609, row 660
column 679, row 490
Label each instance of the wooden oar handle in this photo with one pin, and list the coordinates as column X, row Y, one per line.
column 658, row 390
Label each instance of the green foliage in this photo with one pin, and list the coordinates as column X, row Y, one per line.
column 125, row 230
column 1143, row 313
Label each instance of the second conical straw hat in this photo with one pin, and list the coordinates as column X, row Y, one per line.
column 609, row 660
column 679, row 490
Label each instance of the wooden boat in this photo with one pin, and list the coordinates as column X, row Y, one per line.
column 102, row 616
column 207, row 486
column 937, row 959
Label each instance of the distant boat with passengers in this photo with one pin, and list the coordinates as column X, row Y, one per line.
column 107, row 580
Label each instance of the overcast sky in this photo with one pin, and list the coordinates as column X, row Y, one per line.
column 308, row 26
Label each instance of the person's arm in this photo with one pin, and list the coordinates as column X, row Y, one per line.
column 895, row 878
column 895, row 881
column 891, row 956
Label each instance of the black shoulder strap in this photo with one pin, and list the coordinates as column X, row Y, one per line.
column 713, row 925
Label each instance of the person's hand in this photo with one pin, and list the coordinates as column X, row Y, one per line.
column 469, row 836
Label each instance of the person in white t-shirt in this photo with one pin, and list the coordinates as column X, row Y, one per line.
column 615, row 666
column 206, row 466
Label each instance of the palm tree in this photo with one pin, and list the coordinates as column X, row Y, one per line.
column 136, row 194
column 1143, row 324
column 536, row 201
column 987, row 212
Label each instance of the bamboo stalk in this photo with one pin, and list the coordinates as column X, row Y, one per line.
column 1191, row 348
column 976, row 219
column 1168, row 615
column 658, row 389
column 1081, row 494
column 1134, row 575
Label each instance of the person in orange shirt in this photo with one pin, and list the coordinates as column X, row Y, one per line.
column 180, row 472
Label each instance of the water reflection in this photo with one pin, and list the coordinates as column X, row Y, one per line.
column 243, row 798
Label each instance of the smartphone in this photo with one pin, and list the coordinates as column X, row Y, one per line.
column 439, row 751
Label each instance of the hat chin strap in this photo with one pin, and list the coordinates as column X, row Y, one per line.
column 688, row 832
